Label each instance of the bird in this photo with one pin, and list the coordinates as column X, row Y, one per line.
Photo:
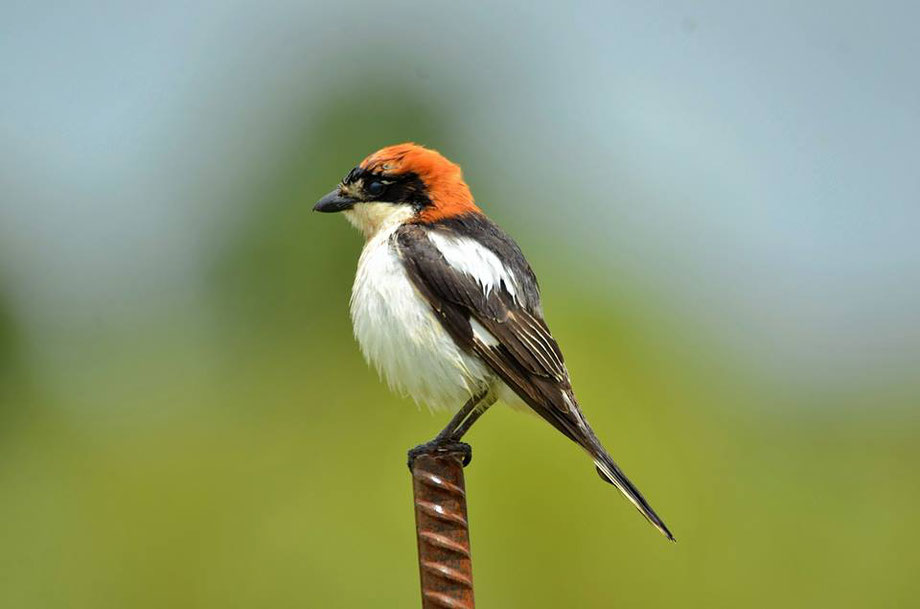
column 447, row 309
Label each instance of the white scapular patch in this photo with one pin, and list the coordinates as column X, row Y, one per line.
column 400, row 335
column 479, row 262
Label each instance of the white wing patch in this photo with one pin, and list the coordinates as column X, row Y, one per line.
column 471, row 257
column 481, row 334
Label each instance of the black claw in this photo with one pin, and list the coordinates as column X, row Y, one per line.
column 441, row 447
column 465, row 449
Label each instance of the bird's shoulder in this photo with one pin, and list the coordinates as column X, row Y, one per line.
column 489, row 303
column 474, row 246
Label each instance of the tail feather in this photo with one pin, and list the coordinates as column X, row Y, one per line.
column 609, row 472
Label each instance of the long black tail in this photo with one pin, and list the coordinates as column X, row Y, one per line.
column 610, row 472
column 560, row 409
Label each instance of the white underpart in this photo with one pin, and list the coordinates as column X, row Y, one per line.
column 471, row 257
column 396, row 329
column 371, row 218
column 395, row 326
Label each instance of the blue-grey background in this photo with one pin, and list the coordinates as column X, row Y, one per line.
column 722, row 204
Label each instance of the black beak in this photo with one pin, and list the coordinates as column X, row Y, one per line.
column 334, row 202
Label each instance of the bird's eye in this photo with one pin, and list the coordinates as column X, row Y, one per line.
column 375, row 188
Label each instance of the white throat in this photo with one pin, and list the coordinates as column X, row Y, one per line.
column 371, row 218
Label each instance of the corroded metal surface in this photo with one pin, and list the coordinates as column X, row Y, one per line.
column 445, row 567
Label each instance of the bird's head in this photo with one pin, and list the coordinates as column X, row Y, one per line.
column 400, row 184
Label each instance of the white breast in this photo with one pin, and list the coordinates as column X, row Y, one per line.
column 400, row 335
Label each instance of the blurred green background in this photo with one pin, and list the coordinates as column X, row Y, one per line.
column 721, row 206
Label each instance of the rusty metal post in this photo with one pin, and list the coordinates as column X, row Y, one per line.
column 445, row 566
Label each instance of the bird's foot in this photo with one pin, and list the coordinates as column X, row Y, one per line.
column 440, row 446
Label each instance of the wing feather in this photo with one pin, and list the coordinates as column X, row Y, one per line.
column 524, row 353
column 526, row 346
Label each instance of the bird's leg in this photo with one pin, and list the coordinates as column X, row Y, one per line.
column 459, row 425
column 449, row 438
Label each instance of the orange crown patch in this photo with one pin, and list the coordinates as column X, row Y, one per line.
column 443, row 179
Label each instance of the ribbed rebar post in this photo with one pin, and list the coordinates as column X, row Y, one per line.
column 445, row 566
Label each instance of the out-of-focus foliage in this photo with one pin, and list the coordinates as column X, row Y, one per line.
column 13, row 378
column 230, row 448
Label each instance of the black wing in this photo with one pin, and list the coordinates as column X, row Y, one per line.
column 523, row 353
column 526, row 355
